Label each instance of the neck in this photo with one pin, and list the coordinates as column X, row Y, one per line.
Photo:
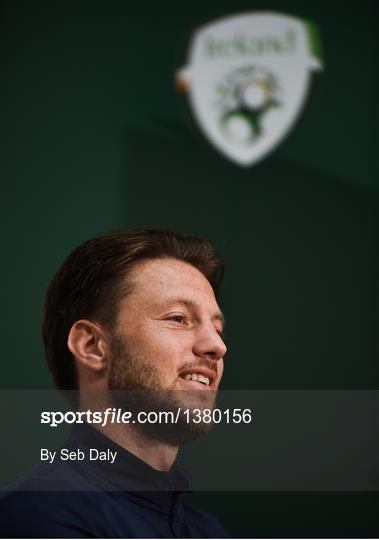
column 155, row 453
column 158, row 454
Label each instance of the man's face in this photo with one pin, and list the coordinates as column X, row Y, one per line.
column 168, row 333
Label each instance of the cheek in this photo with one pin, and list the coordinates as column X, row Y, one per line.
column 171, row 348
column 165, row 346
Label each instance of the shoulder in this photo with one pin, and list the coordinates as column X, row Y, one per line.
column 206, row 525
column 30, row 514
column 45, row 504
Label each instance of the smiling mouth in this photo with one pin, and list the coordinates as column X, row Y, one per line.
column 197, row 377
column 197, row 381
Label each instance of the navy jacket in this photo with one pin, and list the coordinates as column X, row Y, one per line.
column 92, row 499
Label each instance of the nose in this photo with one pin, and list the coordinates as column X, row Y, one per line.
column 209, row 344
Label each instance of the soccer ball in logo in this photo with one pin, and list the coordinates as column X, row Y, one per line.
column 245, row 97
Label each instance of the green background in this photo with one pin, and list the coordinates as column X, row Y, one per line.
column 95, row 137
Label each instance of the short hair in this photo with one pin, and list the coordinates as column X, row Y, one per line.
column 94, row 277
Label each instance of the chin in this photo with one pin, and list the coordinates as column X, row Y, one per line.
column 197, row 399
column 179, row 433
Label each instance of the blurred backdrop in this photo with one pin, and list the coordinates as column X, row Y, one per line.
column 95, row 136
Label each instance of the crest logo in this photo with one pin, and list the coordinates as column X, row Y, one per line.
column 247, row 80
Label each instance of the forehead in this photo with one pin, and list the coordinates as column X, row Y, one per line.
column 158, row 280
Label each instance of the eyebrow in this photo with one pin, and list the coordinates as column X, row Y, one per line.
column 219, row 316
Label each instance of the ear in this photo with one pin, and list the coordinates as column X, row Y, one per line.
column 87, row 343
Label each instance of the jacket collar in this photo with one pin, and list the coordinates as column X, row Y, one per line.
column 127, row 474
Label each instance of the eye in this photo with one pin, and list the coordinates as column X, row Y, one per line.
column 178, row 318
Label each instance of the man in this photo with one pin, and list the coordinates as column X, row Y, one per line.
column 131, row 321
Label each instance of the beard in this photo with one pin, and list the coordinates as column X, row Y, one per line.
column 135, row 385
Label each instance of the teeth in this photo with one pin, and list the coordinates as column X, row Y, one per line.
column 203, row 379
column 197, row 377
